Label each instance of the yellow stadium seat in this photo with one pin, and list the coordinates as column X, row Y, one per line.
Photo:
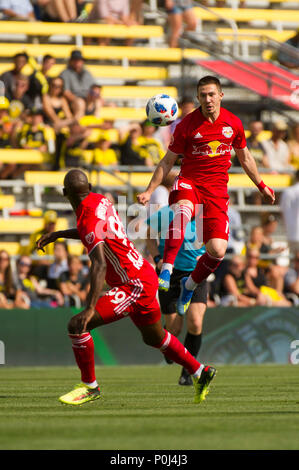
column 21, row 156
column 12, row 248
column 101, row 178
column 27, row 225
column 7, row 201
column 264, row 135
column 247, row 34
column 41, row 28
column 273, row 181
column 63, row 51
column 246, row 15
column 115, row 113
column 106, row 71
column 136, row 92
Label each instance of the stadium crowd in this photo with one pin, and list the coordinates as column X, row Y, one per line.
column 60, row 116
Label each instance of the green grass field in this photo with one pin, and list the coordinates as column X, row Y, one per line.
column 249, row 407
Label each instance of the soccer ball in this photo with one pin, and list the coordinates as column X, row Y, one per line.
column 162, row 110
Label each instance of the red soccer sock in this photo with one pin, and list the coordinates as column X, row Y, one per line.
column 174, row 350
column 83, row 348
column 206, row 265
column 176, row 232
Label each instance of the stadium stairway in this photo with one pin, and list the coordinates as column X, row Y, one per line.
column 264, row 78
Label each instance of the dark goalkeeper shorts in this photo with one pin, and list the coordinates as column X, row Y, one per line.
column 169, row 299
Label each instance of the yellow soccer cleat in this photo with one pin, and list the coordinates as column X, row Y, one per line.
column 201, row 384
column 81, row 394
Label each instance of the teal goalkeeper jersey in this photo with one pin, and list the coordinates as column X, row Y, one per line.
column 189, row 252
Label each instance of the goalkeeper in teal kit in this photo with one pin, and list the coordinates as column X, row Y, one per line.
column 185, row 262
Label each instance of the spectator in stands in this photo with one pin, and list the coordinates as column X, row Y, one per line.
column 254, row 276
column 256, row 241
column 291, row 279
column 289, row 204
column 148, row 141
column 73, row 284
column 7, row 286
column 179, row 12
column 104, row 155
column 77, row 83
column 130, row 152
column 233, row 285
column 255, row 146
column 276, row 149
column 18, row 97
column 269, row 226
column 57, row 111
column 275, row 286
column 75, row 144
column 9, row 77
column 59, row 265
column 39, row 80
column 40, row 267
column 6, row 125
column 30, row 292
column 57, row 114
column 287, row 60
column 17, row 10
column 265, row 286
column 94, row 101
column 256, row 237
column 293, row 144
column 57, row 10
column 112, row 12
column 35, row 135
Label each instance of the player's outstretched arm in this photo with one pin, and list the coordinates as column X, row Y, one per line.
column 248, row 163
column 53, row 236
column 162, row 170
column 97, row 279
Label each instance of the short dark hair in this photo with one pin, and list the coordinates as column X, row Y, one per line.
column 208, row 80
column 186, row 99
column 21, row 54
column 47, row 57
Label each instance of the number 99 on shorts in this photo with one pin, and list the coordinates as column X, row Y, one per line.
column 173, row 460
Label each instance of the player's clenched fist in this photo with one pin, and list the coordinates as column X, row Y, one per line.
column 45, row 240
column 143, row 198
column 268, row 193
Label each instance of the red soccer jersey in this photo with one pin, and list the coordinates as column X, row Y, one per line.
column 206, row 148
column 98, row 222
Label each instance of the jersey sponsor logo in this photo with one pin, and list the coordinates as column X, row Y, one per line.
column 90, row 238
column 227, row 131
column 212, row 149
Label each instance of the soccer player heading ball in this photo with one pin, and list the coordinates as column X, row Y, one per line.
column 204, row 139
column 133, row 283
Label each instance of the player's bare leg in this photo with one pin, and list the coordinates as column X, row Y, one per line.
column 83, row 348
column 192, row 342
column 154, row 335
column 183, row 211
